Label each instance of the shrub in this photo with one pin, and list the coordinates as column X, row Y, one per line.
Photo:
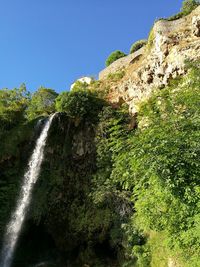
column 137, row 45
column 78, row 85
column 79, row 104
column 188, row 6
column 176, row 16
column 114, row 77
column 114, row 56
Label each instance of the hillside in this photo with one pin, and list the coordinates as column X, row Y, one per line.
column 169, row 45
column 119, row 183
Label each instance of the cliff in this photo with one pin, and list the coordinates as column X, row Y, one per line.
column 110, row 193
column 170, row 44
column 64, row 226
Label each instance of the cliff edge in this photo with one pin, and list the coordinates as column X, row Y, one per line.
column 170, row 44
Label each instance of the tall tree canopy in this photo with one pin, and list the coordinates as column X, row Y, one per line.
column 42, row 103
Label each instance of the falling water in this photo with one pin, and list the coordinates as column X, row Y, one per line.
column 30, row 177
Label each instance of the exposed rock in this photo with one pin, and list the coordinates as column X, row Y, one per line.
column 170, row 44
column 196, row 26
column 120, row 63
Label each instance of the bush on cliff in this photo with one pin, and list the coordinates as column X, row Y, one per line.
column 114, row 56
column 79, row 104
column 188, row 6
column 137, row 45
column 78, row 85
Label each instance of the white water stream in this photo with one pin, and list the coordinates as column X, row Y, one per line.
column 30, row 177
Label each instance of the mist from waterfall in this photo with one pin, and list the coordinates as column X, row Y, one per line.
column 30, row 177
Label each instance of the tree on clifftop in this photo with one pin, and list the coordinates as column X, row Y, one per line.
column 114, row 56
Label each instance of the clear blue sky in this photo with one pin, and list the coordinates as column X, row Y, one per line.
column 51, row 43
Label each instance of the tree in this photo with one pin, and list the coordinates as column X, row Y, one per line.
column 42, row 103
column 114, row 56
column 13, row 103
column 79, row 104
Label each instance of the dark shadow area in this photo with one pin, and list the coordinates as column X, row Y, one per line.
column 35, row 245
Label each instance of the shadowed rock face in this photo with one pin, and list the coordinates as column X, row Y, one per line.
column 62, row 222
column 163, row 58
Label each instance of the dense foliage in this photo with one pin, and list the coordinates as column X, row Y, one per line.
column 114, row 56
column 113, row 190
column 165, row 164
column 78, row 85
column 159, row 165
column 79, row 104
column 189, row 5
column 42, row 103
column 137, row 45
column 13, row 103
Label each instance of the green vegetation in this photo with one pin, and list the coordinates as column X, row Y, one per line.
column 13, row 103
column 114, row 56
column 107, row 193
column 79, row 104
column 42, row 103
column 159, row 165
column 137, row 45
column 114, row 190
column 187, row 7
column 117, row 76
column 78, row 85
column 150, row 40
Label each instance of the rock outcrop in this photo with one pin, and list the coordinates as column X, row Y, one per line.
column 121, row 63
column 170, row 44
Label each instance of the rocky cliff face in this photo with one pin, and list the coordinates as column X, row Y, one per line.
column 170, row 44
column 63, row 226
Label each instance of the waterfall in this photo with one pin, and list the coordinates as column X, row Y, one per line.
column 30, row 177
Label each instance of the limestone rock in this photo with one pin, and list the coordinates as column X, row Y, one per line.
column 169, row 45
column 196, row 26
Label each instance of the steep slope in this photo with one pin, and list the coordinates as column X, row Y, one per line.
column 110, row 193
column 170, row 44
